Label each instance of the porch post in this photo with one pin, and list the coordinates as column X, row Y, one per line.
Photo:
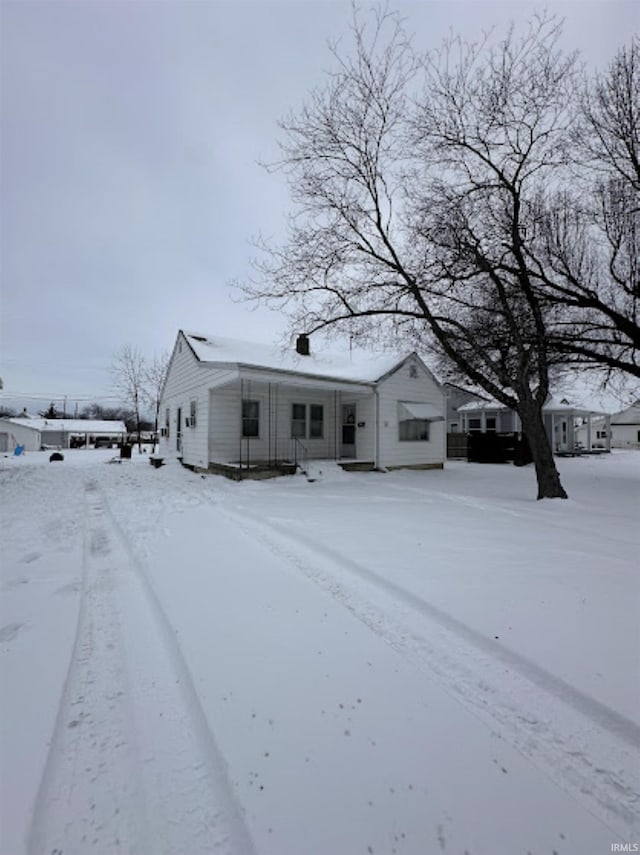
column 335, row 425
column 240, row 423
column 589, row 437
column 270, row 455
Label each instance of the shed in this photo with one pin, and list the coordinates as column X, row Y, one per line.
column 19, row 431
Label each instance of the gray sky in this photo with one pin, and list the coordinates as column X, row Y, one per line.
column 130, row 140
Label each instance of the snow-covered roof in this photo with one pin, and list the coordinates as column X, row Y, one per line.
column 71, row 425
column 630, row 416
column 478, row 406
column 555, row 403
column 357, row 366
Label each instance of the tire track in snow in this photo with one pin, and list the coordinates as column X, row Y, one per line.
column 587, row 749
column 133, row 766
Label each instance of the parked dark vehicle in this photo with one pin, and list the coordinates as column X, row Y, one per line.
column 104, row 442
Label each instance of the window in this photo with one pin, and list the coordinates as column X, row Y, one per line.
column 601, row 434
column 475, row 424
column 316, row 421
column 250, row 419
column 167, row 421
column 192, row 416
column 413, row 371
column 491, row 423
column 307, row 421
column 298, row 421
column 414, row 430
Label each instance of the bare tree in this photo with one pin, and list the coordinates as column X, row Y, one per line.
column 129, row 374
column 155, row 375
column 590, row 234
column 413, row 207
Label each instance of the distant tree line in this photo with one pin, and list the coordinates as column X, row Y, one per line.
column 138, row 380
column 479, row 201
column 94, row 411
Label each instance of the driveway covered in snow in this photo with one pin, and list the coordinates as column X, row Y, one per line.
column 416, row 662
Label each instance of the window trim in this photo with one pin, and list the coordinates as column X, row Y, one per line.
column 307, row 421
column 244, row 419
column 298, row 422
column 414, row 423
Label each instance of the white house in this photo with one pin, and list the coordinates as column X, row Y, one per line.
column 36, row 433
column 231, row 406
column 625, row 427
column 571, row 427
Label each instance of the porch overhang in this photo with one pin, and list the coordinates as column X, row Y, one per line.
column 285, row 378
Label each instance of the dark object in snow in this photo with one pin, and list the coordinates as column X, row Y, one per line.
column 302, row 345
column 125, row 451
column 157, row 462
column 56, row 456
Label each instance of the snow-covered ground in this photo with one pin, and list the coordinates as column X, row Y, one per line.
column 411, row 662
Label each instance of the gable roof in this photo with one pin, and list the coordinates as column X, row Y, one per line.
column 630, row 416
column 557, row 403
column 358, row 366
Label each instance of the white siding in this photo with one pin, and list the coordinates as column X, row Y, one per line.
column 187, row 380
column 275, row 422
column 422, row 389
column 625, row 436
column 17, row 434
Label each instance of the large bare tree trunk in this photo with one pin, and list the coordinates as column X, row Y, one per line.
column 547, row 476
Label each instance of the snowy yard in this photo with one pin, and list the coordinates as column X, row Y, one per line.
column 412, row 662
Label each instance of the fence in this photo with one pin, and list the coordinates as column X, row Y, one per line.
column 498, row 448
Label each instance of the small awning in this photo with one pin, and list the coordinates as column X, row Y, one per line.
column 424, row 412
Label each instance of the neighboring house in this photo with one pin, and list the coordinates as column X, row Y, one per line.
column 231, row 405
column 571, row 427
column 456, row 398
column 37, row 433
column 625, row 427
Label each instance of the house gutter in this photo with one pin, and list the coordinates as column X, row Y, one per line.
column 377, row 431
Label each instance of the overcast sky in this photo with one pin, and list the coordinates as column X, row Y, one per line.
column 130, row 141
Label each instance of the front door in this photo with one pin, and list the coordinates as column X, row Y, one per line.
column 561, row 434
column 348, row 440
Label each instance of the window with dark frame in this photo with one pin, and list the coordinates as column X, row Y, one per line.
column 250, row 419
column 167, row 421
column 307, row 421
column 298, row 421
column 413, row 430
column 192, row 416
column 316, row 421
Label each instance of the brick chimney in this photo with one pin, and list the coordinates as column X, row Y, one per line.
column 302, row 345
